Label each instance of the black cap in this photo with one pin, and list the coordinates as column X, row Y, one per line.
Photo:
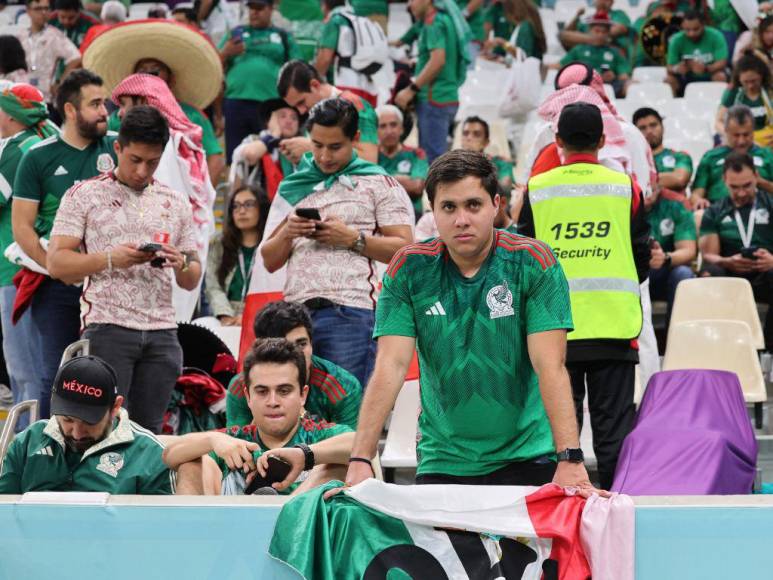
column 580, row 122
column 85, row 388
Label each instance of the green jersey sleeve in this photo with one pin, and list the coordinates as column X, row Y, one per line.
column 547, row 300
column 570, row 56
column 412, row 34
column 684, row 224
column 26, row 184
column 718, row 44
column 237, row 412
column 329, row 35
column 683, row 161
column 293, row 50
column 674, row 54
column 394, row 311
column 13, row 466
column 621, row 65
column 419, row 168
column 766, row 171
column 159, row 479
column 435, row 35
column 703, row 173
column 710, row 221
column 368, row 124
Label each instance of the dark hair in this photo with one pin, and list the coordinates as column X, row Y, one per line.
column 68, row 5
column 741, row 114
column 335, row 112
column 736, row 162
column 143, row 124
column 333, row 4
column 190, row 14
column 274, row 351
column 749, row 62
column 646, row 112
column 458, row 164
column 12, row 56
column 70, row 88
column 298, row 75
column 276, row 319
column 28, row 2
column 479, row 121
column 232, row 236
column 692, row 14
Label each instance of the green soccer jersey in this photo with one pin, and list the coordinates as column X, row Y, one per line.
column 208, row 138
column 525, row 39
column 708, row 176
column 480, row 401
column 438, row 32
column 78, row 32
column 600, row 58
column 334, row 395
column 368, row 7
column 725, row 18
column 51, row 167
column 253, row 74
column 410, row 162
column 475, row 20
column 11, row 151
column 719, row 219
column 309, row 432
column 669, row 160
column 504, row 168
column 671, row 222
column 737, row 96
column 128, row 461
column 710, row 48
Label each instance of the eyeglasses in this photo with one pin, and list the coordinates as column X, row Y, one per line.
column 249, row 204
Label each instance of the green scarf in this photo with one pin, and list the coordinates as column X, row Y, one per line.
column 308, row 177
column 463, row 33
column 31, row 114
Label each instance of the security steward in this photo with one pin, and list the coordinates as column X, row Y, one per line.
column 593, row 218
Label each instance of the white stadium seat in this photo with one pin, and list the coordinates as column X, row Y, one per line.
column 649, row 74
column 694, row 148
column 703, row 94
column 654, row 94
column 687, row 129
column 566, row 9
column 400, row 447
column 139, row 10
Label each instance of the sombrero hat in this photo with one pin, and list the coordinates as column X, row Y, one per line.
column 194, row 61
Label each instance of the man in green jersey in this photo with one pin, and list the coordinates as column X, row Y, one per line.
column 90, row 444
column 48, row 169
column 23, row 122
column 407, row 165
column 697, row 53
column 334, row 393
column 674, row 167
column 72, row 20
column 301, row 86
column 736, row 237
column 488, row 313
column 275, row 373
column 476, row 137
column 577, row 32
column 709, row 185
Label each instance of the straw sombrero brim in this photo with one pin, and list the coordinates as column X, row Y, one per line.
column 193, row 60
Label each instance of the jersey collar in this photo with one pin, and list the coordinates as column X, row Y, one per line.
column 122, row 433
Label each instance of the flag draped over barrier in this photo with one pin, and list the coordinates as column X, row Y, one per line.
column 376, row 531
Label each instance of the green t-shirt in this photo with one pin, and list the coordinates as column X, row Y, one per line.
column 236, row 287
column 711, row 47
column 737, row 96
column 719, row 218
column 526, row 39
column 78, row 32
column 11, row 151
column 481, row 407
column 51, row 167
column 300, row 9
column 709, row 173
column 331, row 30
column 127, row 462
column 253, row 74
column 438, row 32
column 309, row 432
column 504, row 168
column 618, row 17
column 408, row 161
column 725, row 18
column 475, row 20
column 208, row 138
column 334, row 395
column 671, row 222
column 368, row 7
column 601, row 58
column 669, row 160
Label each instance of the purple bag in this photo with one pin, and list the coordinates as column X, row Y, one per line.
column 692, row 437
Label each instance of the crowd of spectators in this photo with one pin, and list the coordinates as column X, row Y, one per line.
column 117, row 132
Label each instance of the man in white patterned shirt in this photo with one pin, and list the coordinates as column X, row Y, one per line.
column 366, row 216
column 133, row 234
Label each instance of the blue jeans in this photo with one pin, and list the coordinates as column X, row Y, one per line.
column 663, row 283
column 434, row 124
column 56, row 316
column 344, row 336
column 20, row 347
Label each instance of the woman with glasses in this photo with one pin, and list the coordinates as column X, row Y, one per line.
column 232, row 254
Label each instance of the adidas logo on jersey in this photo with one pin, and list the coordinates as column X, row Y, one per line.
column 45, row 451
column 436, row 310
column 60, row 171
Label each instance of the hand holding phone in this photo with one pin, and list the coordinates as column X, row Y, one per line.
column 749, row 253
column 309, row 213
column 278, row 470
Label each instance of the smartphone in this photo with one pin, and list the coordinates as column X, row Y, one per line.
column 278, row 470
column 236, row 34
column 309, row 213
column 150, row 247
column 748, row 253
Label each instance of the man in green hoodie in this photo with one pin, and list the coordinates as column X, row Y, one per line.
column 331, row 260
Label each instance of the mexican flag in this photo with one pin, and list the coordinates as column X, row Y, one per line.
column 379, row 531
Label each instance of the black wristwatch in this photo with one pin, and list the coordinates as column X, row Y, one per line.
column 308, row 455
column 571, row 455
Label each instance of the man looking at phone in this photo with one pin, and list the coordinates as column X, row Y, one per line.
column 736, row 237
column 127, row 234
column 697, row 53
column 329, row 223
column 317, row 451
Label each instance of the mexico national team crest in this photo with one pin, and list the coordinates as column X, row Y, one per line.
column 500, row 301
column 110, row 463
column 105, row 163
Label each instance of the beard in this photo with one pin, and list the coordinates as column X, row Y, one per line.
column 91, row 131
column 81, row 445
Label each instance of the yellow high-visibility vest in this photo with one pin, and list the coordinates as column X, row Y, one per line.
column 583, row 211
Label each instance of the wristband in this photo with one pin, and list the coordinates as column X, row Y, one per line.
column 308, row 455
column 363, row 460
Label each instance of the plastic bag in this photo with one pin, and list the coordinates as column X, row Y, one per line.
column 522, row 90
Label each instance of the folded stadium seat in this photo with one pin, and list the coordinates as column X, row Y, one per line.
column 649, row 74
column 566, row 9
column 400, row 447
column 686, row 128
column 399, row 20
column 610, row 92
column 627, row 107
column 688, row 109
column 708, row 94
column 696, row 148
column 692, row 437
column 721, row 298
column 725, row 345
column 653, row 94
